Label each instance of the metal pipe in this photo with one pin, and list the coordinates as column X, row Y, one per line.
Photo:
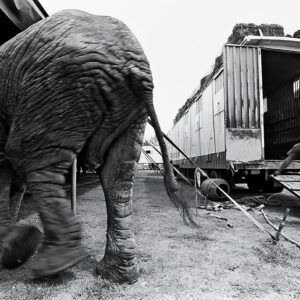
column 73, row 190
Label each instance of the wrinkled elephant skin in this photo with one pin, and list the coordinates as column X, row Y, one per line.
column 75, row 83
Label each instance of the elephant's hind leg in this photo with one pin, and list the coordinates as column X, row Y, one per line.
column 117, row 177
column 61, row 246
column 17, row 242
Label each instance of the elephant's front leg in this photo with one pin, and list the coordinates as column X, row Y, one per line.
column 117, row 177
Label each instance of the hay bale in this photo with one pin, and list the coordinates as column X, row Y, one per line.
column 271, row 29
column 241, row 30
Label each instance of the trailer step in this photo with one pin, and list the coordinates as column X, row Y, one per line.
column 290, row 182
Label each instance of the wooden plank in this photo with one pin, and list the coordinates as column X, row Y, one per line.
column 230, row 87
column 287, row 178
column 251, row 84
column 254, row 103
column 295, row 185
column 292, row 186
column 244, row 87
column 237, row 73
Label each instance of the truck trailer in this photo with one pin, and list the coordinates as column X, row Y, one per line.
column 242, row 124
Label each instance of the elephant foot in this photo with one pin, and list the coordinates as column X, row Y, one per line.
column 111, row 269
column 54, row 259
column 17, row 244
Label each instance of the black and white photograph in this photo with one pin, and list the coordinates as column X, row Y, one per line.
column 149, row 150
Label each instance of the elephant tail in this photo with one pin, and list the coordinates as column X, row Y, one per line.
column 169, row 178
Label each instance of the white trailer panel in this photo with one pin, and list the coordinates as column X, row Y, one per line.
column 219, row 115
column 194, row 131
column 207, row 134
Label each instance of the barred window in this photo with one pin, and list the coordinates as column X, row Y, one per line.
column 296, row 88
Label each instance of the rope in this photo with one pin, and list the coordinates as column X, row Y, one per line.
column 150, row 159
column 253, row 220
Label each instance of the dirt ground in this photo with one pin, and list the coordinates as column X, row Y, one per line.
column 216, row 261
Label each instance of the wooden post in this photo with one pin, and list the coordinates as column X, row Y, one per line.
column 281, row 224
column 74, row 179
column 197, row 182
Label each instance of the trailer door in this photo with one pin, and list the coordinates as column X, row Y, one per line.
column 242, row 81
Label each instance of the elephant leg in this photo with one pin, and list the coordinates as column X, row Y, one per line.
column 17, row 242
column 61, row 246
column 117, row 178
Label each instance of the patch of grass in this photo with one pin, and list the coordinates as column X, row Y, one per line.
column 275, row 254
column 99, row 289
column 175, row 261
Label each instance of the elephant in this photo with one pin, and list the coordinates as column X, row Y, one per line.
column 75, row 83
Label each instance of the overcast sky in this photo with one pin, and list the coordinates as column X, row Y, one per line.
column 181, row 38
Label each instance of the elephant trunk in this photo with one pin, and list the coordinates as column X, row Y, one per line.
column 169, row 178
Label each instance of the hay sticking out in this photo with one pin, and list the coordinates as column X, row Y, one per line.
column 239, row 32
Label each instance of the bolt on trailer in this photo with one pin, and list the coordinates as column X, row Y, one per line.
column 243, row 122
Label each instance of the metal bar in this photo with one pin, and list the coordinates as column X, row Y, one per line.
column 196, row 184
column 152, row 161
column 74, row 181
column 261, row 105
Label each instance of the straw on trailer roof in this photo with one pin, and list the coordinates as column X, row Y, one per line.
column 239, row 32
